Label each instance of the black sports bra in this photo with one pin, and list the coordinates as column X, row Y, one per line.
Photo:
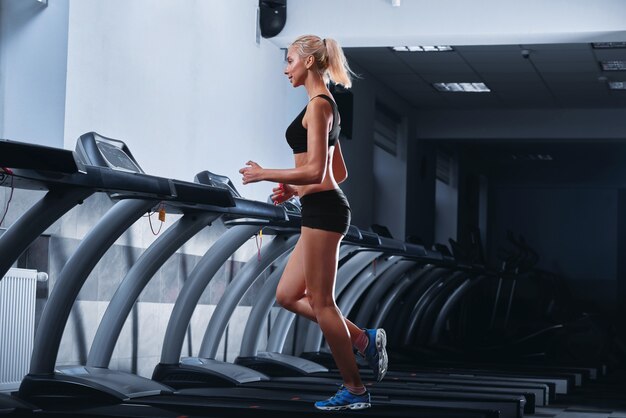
column 297, row 136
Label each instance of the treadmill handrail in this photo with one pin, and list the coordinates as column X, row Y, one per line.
column 16, row 154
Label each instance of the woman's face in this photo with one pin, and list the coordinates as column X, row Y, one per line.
column 296, row 69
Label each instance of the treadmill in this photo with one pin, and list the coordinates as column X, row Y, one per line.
column 92, row 387
column 68, row 182
column 510, row 405
column 183, row 376
column 531, row 392
column 440, row 296
column 399, row 286
column 266, row 362
column 412, row 290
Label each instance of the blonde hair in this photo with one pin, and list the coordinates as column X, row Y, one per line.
column 329, row 58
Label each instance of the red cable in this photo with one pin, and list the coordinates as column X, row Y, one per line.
column 151, row 227
column 10, row 197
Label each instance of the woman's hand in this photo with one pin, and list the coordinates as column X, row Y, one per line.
column 282, row 193
column 251, row 174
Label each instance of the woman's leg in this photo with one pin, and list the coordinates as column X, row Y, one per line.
column 291, row 291
column 319, row 253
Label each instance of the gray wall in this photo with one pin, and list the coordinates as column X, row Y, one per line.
column 33, row 65
column 538, row 124
column 568, row 211
column 376, row 185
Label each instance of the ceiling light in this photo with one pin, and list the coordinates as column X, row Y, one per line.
column 396, row 3
column 613, row 65
column 437, row 48
column 423, row 48
column 532, row 157
column 462, row 87
column 604, row 45
column 544, row 157
column 617, row 85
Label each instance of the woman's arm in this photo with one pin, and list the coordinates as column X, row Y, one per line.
column 283, row 192
column 340, row 171
column 317, row 121
column 298, row 176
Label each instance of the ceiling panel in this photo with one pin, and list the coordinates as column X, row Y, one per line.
column 568, row 67
column 529, row 100
column 515, row 88
column 553, row 75
column 610, row 54
column 553, row 55
column 462, row 49
column 435, row 77
column 487, row 56
column 404, row 79
column 511, row 77
column 472, row 100
column 557, row 47
column 420, row 98
column 519, row 66
column 440, row 62
column 585, row 88
column 573, row 77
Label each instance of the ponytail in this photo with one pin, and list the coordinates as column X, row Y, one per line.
column 338, row 69
column 329, row 58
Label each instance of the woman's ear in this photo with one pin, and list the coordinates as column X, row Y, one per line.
column 310, row 60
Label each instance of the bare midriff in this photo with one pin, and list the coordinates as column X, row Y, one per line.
column 328, row 183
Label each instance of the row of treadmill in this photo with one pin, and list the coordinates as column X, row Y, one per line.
column 419, row 296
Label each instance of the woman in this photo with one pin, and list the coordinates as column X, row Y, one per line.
column 308, row 282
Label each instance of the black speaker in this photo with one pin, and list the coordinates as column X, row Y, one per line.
column 272, row 17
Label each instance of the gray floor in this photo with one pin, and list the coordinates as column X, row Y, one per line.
column 605, row 397
column 577, row 412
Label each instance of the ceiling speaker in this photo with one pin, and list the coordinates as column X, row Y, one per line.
column 272, row 17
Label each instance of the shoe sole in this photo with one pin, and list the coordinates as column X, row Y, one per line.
column 383, row 361
column 355, row 406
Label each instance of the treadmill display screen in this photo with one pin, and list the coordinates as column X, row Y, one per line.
column 216, row 180
column 117, row 158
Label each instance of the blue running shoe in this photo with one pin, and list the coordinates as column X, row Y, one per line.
column 343, row 399
column 376, row 353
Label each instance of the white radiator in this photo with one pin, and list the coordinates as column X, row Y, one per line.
column 18, row 292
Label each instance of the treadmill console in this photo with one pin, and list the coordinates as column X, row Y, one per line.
column 292, row 206
column 211, row 179
column 97, row 150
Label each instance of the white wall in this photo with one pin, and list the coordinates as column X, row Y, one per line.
column 455, row 22
column 33, row 58
column 187, row 88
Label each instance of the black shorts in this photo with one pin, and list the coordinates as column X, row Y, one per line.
column 328, row 210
